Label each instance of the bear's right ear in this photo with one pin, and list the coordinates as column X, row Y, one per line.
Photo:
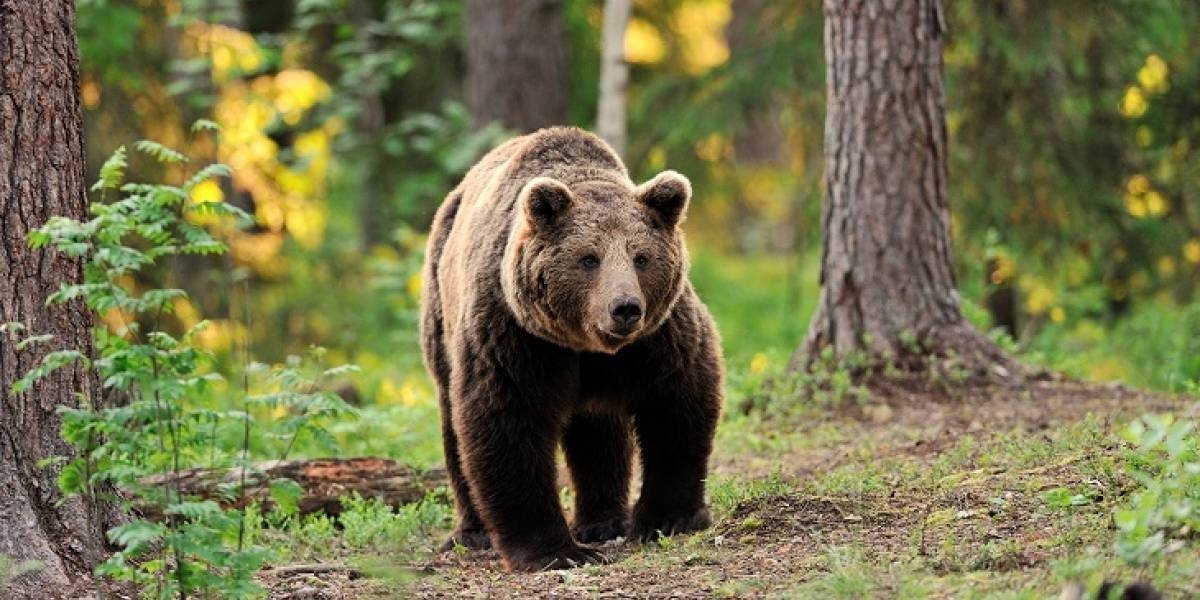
column 544, row 200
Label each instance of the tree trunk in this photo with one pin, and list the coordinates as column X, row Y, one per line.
column 41, row 174
column 887, row 280
column 516, row 63
column 614, row 75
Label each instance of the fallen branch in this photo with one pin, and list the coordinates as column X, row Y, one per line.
column 323, row 481
column 316, row 569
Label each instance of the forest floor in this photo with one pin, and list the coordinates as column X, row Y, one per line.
column 916, row 493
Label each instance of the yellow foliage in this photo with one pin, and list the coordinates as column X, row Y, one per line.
column 1141, row 200
column 406, row 393
column 701, row 26
column 1038, row 297
column 713, row 148
column 1138, row 184
column 1057, row 314
column 758, row 363
column 260, row 252
column 643, row 43
column 220, row 335
column 1153, row 76
column 186, row 312
column 1156, row 205
column 296, row 91
column 1136, row 205
column 232, row 51
column 656, row 159
column 207, row 192
column 413, row 285
column 1191, row 250
column 1166, row 266
column 1133, row 104
column 89, row 92
column 1005, row 269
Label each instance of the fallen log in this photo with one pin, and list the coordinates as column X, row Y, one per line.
column 323, row 481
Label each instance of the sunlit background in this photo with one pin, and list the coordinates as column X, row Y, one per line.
column 1075, row 184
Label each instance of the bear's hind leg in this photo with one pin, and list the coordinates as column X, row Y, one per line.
column 599, row 454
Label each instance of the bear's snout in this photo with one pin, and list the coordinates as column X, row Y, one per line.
column 626, row 313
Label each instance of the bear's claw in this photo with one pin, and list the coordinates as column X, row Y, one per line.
column 570, row 557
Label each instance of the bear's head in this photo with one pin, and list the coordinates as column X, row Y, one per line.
column 598, row 264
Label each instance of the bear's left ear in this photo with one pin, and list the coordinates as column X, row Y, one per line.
column 667, row 195
column 544, row 200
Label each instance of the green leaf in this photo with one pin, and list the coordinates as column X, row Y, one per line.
column 286, row 494
column 205, row 125
column 136, row 534
column 112, row 173
column 160, row 152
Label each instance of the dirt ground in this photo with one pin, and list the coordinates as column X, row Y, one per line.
column 918, row 492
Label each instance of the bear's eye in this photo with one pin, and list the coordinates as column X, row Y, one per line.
column 589, row 262
column 641, row 262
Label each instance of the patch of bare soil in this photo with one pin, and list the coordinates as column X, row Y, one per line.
column 973, row 519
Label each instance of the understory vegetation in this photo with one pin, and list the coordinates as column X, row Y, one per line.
column 254, row 276
column 961, row 491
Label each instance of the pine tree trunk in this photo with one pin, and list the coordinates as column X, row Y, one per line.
column 41, row 174
column 887, row 278
column 516, row 63
column 614, row 75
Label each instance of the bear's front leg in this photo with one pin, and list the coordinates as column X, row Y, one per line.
column 508, row 443
column 675, row 424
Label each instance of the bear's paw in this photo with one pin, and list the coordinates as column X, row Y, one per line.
column 601, row 531
column 648, row 526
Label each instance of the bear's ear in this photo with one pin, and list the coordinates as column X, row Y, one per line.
column 667, row 195
column 544, row 201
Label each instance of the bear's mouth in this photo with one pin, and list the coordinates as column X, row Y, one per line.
column 611, row 341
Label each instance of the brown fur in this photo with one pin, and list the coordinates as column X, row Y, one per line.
column 556, row 308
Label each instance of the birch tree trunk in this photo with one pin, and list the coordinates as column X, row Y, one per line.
column 887, row 279
column 516, row 63
column 614, row 75
column 41, row 174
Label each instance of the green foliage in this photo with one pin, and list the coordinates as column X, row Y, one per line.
column 152, row 423
column 1164, row 513
column 1065, row 499
column 365, row 527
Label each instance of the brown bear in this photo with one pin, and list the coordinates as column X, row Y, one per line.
column 556, row 307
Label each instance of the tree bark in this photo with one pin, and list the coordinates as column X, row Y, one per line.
column 516, row 63
column 614, row 75
column 887, row 279
column 41, row 174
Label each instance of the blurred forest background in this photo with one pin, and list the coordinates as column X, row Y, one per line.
column 1075, row 184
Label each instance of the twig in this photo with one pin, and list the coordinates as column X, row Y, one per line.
column 314, row 569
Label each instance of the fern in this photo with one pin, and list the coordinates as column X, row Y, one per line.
column 112, row 172
column 160, row 425
column 205, row 125
column 159, row 152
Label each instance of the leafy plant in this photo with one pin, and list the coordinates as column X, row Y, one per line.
column 1165, row 513
column 149, row 422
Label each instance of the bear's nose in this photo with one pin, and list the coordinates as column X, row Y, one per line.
column 626, row 312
